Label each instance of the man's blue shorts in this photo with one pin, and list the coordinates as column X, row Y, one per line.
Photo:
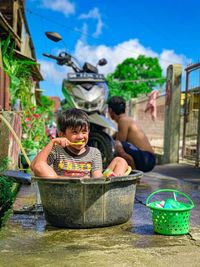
column 144, row 160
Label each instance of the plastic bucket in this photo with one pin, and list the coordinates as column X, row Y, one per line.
column 170, row 221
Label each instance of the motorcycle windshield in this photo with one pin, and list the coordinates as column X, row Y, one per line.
column 105, row 87
column 88, row 86
column 90, row 96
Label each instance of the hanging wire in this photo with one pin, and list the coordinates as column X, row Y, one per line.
column 85, row 34
column 138, row 81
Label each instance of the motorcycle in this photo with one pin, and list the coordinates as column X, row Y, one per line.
column 86, row 89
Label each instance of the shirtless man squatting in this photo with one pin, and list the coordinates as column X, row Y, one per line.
column 131, row 142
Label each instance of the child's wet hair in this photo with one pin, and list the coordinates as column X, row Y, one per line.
column 73, row 118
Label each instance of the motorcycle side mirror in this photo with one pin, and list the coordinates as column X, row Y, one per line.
column 54, row 36
column 102, row 62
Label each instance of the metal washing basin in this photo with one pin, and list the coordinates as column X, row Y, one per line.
column 86, row 203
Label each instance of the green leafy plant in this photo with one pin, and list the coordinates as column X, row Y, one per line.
column 146, row 71
column 6, row 194
column 34, row 118
column 33, row 130
column 34, row 121
column 19, row 72
column 4, row 163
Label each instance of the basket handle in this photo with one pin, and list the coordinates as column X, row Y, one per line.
column 169, row 190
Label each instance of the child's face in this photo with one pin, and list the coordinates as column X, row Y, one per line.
column 78, row 134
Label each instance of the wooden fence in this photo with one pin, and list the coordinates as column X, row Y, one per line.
column 4, row 91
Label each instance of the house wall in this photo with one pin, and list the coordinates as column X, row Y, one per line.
column 13, row 22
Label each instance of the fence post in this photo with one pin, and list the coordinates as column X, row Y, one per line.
column 172, row 114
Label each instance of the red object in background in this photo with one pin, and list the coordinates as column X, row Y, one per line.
column 151, row 104
column 56, row 100
column 27, row 119
column 51, row 130
column 37, row 116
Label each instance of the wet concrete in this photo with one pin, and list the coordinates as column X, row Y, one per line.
column 28, row 241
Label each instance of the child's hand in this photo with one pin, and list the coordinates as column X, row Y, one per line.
column 62, row 141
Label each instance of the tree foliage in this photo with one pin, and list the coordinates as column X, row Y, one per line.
column 6, row 194
column 19, row 72
column 142, row 70
column 34, row 117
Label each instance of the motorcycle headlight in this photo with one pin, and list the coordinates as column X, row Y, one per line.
column 97, row 104
column 78, row 102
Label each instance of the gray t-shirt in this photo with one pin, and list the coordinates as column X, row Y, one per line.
column 65, row 163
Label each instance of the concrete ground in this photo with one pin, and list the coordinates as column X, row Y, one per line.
column 28, row 241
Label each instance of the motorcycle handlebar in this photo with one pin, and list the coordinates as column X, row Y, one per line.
column 64, row 59
column 51, row 56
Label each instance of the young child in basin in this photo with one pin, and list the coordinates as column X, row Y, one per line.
column 69, row 156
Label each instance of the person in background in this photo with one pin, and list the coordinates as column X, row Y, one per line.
column 131, row 142
column 69, row 156
column 51, row 130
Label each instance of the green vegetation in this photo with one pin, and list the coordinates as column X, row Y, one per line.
column 6, row 193
column 19, row 72
column 142, row 70
column 34, row 122
column 34, row 118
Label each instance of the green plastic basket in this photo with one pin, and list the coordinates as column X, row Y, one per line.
column 170, row 221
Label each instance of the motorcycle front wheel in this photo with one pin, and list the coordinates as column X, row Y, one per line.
column 105, row 144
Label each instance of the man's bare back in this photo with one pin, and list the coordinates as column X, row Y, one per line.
column 129, row 131
column 131, row 142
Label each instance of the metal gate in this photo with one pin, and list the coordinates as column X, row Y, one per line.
column 191, row 115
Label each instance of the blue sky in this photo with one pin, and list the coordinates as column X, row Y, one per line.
column 115, row 30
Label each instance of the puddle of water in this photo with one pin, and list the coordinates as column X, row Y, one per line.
column 29, row 239
column 34, row 187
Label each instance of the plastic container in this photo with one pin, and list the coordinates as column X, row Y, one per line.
column 86, row 203
column 173, row 218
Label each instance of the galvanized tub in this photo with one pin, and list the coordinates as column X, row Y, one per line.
column 87, row 203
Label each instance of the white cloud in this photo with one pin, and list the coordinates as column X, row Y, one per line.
column 117, row 54
column 52, row 72
column 84, row 32
column 168, row 57
column 114, row 55
column 94, row 14
column 64, row 6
